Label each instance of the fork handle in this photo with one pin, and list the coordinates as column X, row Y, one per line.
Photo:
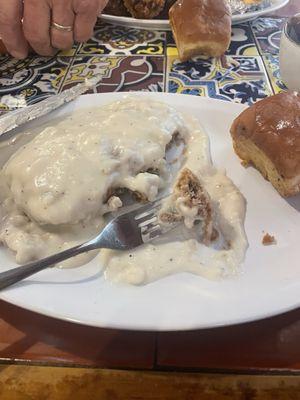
column 17, row 274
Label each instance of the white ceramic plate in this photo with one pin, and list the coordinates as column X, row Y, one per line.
column 163, row 24
column 270, row 283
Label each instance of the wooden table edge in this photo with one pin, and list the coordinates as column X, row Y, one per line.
column 57, row 383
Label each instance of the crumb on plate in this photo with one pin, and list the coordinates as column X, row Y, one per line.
column 268, row 240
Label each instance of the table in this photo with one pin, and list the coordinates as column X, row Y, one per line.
column 47, row 358
column 131, row 59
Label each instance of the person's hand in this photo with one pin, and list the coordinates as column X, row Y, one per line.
column 25, row 23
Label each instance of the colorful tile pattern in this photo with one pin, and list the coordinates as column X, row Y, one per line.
column 132, row 59
column 237, row 78
column 267, row 32
column 31, row 80
column 272, row 64
column 242, row 41
column 117, row 40
column 119, row 73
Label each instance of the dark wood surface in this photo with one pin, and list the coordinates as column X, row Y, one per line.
column 261, row 346
column 48, row 383
column 25, row 335
column 271, row 344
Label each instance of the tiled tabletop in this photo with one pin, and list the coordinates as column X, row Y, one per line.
column 131, row 59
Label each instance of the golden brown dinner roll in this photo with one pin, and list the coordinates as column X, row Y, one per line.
column 201, row 27
column 267, row 135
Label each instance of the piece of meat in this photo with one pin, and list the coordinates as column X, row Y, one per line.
column 165, row 12
column 144, row 9
column 116, row 7
column 190, row 202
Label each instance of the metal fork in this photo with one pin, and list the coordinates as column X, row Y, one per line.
column 125, row 232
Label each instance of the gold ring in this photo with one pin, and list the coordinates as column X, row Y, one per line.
column 62, row 27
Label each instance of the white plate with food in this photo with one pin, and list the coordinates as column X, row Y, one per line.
column 163, row 24
column 179, row 283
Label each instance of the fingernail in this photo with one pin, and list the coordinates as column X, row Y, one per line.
column 18, row 54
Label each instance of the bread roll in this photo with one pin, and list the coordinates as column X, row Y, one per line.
column 267, row 135
column 201, row 27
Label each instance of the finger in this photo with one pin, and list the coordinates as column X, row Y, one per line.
column 36, row 26
column 11, row 28
column 102, row 5
column 86, row 12
column 62, row 14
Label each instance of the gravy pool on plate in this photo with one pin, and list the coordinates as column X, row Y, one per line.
column 56, row 189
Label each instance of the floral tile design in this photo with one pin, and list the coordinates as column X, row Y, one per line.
column 71, row 52
column 119, row 74
column 133, row 59
column 242, row 41
column 272, row 65
column 236, row 78
column 171, row 46
column 30, row 80
column 267, row 32
column 117, row 40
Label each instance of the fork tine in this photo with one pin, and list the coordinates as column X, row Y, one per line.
column 147, row 213
column 155, row 233
column 152, row 218
column 150, row 229
column 150, row 234
column 147, row 216
column 144, row 211
column 133, row 228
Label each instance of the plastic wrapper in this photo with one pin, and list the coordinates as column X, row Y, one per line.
column 240, row 7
